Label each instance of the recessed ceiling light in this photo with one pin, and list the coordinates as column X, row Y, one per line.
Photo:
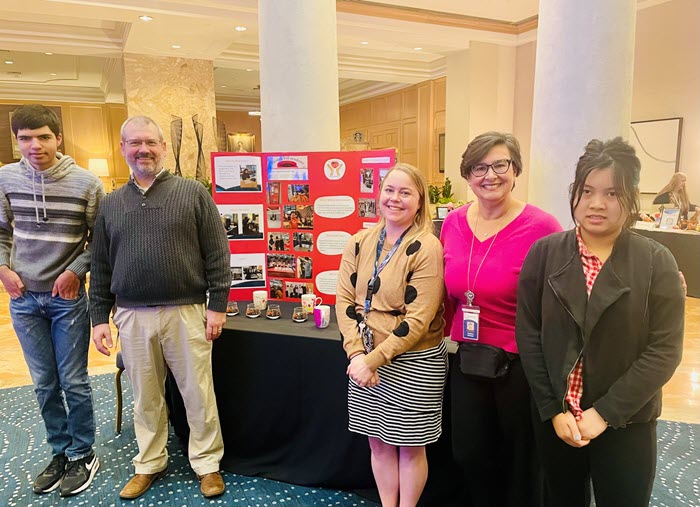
column 364, row 42
column 417, row 49
column 48, row 54
column 240, row 28
column 249, row 70
column 254, row 113
column 176, row 46
column 53, row 74
column 9, row 62
column 223, row 86
column 146, row 18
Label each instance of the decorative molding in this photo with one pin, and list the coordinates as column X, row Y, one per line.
column 28, row 91
column 416, row 15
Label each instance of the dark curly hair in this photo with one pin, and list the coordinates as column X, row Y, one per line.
column 619, row 156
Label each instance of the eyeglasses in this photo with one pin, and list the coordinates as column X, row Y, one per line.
column 499, row 167
column 136, row 143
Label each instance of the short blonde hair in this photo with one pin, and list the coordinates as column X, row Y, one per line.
column 422, row 222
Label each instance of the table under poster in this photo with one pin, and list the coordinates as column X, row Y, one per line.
column 281, row 390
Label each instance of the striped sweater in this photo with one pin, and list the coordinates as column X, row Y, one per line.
column 46, row 220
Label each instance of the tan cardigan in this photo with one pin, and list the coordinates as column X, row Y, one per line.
column 407, row 309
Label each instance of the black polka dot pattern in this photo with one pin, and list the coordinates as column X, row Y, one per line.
column 413, row 247
column 396, row 313
column 411, row 294
column 351, row 312
column 377, row 284
column 409, row 276
column 402, row 329
column 353, row 280
column 357, row 249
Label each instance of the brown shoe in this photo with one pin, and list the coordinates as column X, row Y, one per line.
column 212, row 484
column 139, row 484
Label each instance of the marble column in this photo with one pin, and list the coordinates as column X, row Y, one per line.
column 159, row 87
column 583, row 90
column 480, row 97
column 299, row 75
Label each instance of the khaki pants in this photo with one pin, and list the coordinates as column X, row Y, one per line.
column 174, row 335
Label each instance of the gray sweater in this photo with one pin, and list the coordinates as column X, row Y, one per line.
column 46, row 219
column 166, row 246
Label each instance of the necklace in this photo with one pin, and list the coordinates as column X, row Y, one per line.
column 470, row 294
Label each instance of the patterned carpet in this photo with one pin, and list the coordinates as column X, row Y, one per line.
column 24, row 453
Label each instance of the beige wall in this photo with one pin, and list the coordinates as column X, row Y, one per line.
column 522, row 110
column 667, row 78
column 408, row 120
column 241, row 121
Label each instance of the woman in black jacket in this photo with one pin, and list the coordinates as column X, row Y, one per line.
column 600, row 329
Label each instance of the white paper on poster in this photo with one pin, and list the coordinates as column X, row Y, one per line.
column 334, row 206
column 368, row 225
column 334, row 169
column 376, row 160
column 247, row 270
column 242, row 221
column 238, row 174
column 326, row 282
column 332, row 242
column 288, row 167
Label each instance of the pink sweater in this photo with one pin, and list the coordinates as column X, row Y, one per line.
column 496, row 286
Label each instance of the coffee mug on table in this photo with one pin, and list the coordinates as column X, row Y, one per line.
column 260, row 299
column 322, row 316
column 309, row 301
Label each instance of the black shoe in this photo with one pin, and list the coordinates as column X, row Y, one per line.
column 79, row 474
column 50, row 478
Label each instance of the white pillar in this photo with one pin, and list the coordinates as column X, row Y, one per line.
column 456, row 119
column 583, row 90
column 299, row 75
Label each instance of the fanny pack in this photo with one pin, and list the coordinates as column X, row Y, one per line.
column 482, row 360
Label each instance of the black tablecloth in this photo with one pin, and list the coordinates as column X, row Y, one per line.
column 281, row 390
column 685, row 247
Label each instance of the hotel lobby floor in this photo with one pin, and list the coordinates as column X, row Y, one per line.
column 681, row 394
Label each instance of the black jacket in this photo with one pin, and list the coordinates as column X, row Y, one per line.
column 629, row 333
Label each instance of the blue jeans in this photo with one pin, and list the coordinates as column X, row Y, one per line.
column 55, row 335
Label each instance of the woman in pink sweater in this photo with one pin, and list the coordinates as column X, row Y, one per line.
column 485, row 245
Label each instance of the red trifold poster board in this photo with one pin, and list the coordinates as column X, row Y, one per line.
column 288, row 216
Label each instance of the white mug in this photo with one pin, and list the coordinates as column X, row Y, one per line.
column 260, row 299
column 309, row 301
column 322, row 316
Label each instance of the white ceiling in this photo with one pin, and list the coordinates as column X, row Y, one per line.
column 89, row 37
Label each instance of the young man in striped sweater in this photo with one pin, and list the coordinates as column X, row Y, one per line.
column 48, row 207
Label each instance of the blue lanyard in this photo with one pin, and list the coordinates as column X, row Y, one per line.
column 378, row 268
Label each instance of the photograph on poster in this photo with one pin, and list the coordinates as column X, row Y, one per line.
column 367, row 208
column 298, row 217
column 281, row 265
column 274, row 220
column 298, row 193
column 303, row 242
column 288, row 167
column 247, row 270
column 278, row 241
column 276, row 289
column 304, row 268
column 242, row 221
column 366, row 180
column 273, row 192
column 238, row 174
column 294, row 290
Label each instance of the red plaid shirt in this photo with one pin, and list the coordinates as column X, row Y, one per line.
column 591, row 268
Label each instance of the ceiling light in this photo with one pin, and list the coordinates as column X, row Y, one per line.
column 9, row 62
column 53, row 74
column 48, row 54
column 240, row 28
column 364, row 42
column 417, row 49
column 249, row 70
column 176, row 46
column 146, row 18
column 223, row 86
column 254, row 113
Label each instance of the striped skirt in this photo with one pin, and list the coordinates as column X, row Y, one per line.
column 405, row 409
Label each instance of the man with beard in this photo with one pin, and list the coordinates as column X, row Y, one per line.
column 159, row 246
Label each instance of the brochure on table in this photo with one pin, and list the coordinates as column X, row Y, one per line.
column 288, row 216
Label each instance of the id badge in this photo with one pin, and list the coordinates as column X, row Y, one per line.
column 367, row 337
column 470, row 323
